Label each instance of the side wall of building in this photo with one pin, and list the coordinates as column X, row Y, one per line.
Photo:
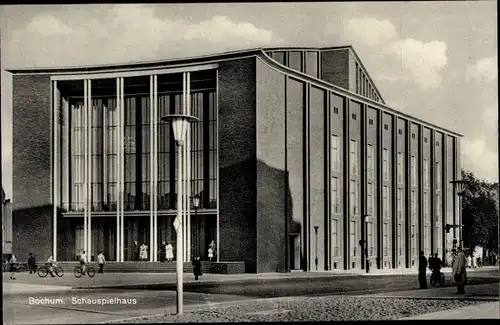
column 32, row 177
column 272, row 176
column 237, row 162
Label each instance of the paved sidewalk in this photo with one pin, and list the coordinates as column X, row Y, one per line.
column 14, row 288
column 488, row 291
column 489, row 310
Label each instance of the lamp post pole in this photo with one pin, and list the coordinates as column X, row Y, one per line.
column 316, row 259
column 459, row 186
column 179, row 127
column 196, row 204
column 179, row 248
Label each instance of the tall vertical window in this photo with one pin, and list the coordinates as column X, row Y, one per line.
column 413, row 240
column 353, row 159
column 438, row 205
column 312, row 64
column 370, row 199
column 427, row 247
column 438, row 175
column 426, row 173
column 400, row 168
column 352, row 238
column 400, row 203
column 386, row 239
column 370, row 161
column 413, row 202
column 385, row 202
column 335, row 196
column 335, row 238
column 385, row 163
column 369, row 230
column 413, row 171
column 335, row 153
column 353, row 190
column 426, row 206
column 357, row 78
column 400, row 241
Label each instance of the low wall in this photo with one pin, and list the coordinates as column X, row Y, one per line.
column 228, row 268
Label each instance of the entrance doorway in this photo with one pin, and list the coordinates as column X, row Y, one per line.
column 294, row 251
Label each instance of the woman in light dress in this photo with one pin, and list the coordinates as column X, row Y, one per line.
column 144, row 252
column 169, row 252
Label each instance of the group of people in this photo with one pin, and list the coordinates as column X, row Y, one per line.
column 459, row 269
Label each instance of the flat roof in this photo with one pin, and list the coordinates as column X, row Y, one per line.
column 222, row 57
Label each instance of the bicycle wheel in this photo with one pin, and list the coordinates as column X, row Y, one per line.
column 78, row 272
column 59, row 271
column 43, row 271
column 90, row 271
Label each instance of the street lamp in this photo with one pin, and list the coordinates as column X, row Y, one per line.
column 196, row 204
column 316, row 259
column 179, row 127
column 459, row 185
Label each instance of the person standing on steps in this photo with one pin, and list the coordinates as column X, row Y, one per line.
column 211, row 250
column 422, row 269
column 135, row 251
column 169, row 252
column 13, row 266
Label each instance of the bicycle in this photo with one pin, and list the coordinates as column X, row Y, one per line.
column 43, row 271
column 434, row 280
column 78, row 271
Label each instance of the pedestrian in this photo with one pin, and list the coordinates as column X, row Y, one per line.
column 469, row 261
column 460, row 271
column 422, row 268
column 144, row 252
column 212, row 246
column 163, row 252
column 13, row 266
column 479, row 261
column 101, row 260
column 135, row 251
column 197, row 271
column 169, row 252
column 430, row 262
column 31, row 263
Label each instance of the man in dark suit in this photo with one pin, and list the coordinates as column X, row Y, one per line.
column 422, row 268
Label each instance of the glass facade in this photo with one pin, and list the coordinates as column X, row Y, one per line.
column 112, row 163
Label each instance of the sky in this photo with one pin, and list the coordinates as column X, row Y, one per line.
column 434, row 60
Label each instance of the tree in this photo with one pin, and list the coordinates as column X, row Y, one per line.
column 480, row 213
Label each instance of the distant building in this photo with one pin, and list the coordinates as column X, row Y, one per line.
column 296, row 158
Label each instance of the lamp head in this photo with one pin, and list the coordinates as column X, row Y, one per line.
column 180, row 123
column 196, row 201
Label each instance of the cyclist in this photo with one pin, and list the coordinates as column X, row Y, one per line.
column 51, row 263
column 83, row 260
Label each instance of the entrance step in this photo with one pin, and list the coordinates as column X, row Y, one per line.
column 137, row 267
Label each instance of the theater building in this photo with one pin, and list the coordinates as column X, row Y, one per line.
column 296, row 158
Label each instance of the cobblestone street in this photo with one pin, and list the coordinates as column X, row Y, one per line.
column 328, row 308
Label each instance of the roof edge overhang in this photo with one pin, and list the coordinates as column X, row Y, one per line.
column 328, row 86
column 139, row 65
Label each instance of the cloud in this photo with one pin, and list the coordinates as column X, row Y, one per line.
column 370, row 31
column 422, row 60
column 490, row 117
column 398, row 59
column 48, row 25
column 480, row 158
column 484, row 70
column 129, row 33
